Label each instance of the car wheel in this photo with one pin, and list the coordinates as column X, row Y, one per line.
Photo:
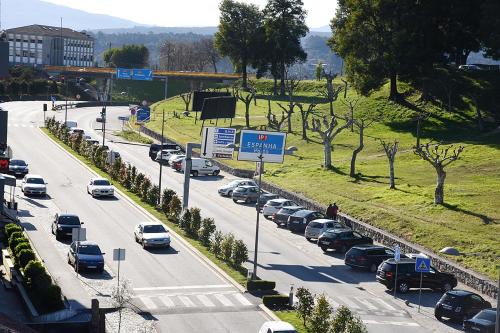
column 230, row 193
column 324, row 248
column 446, row 287
column 403, row 287
column 373, row 268
column 266, row 217
column 58, row 237
column 143, row 245
column 437, row 314
column 195, row 173
column 216, row 173
column 308, row 239
column 235, row 201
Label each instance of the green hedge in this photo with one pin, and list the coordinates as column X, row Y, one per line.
column 10, row 228
column 276, row 301
column 260, row 285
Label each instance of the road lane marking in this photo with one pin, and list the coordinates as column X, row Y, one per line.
column 240, row 298
column 221, row 298
column 365, row 302
column 385, row 304
column 187, row 302
column 166, row 301
column 148, row 302
column 348, row 302
column 205, row 300
column 331, row 277
column 386, row 322
column 185, row 287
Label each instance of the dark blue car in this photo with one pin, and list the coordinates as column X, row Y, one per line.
column 483, row 322
column 86, row 255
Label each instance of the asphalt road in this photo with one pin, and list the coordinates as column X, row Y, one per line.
column 173, row 286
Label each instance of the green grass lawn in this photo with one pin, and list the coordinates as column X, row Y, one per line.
column 470, row 219
column 133, row 136
column 292, row 318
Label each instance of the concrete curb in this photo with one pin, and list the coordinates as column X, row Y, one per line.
column 145, row 212
column 269, row 313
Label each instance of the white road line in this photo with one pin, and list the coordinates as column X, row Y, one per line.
column 167, row 301
column 365, row 302
column 223, row 300
column 184, row 287
column 348, row 302
column 205, row 300
column 187, row 302
column 331, row 277
column 385, row 304
column 394, row 323
column 240, row 298
column 148, row 302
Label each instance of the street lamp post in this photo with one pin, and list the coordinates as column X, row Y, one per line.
column 161, row 148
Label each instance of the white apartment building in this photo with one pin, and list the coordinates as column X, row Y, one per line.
column 39, row 45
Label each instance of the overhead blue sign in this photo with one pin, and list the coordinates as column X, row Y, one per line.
column 134, row 74
column 143, row 114
column 262, row 146
column 423, row 265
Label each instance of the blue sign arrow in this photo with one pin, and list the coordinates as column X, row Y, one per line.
column 423, row 265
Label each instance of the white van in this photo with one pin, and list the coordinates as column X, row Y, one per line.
column 201, row 166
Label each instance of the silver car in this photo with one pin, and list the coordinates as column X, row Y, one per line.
column 316, row 227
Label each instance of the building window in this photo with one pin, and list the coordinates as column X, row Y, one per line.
column 40, row 41
column 32, row 55
column 25, row 53
column 32, row 41
column 18, row 40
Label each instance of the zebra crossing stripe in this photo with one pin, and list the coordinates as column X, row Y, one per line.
column 240, row 298
column 348, row 302
column 205, row 301
column 148, row 302
column 187, row 302
column 167, row 301
column 366, row 303
column 221, row 298
column 385, row 304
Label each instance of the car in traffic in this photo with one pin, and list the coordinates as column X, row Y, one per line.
column 201, row 166
column 227, row 190
column 483, row 322
column 176, row 164
column 86, row 255
column 274, row 205
column 246, row 193
column 298, row 221
column 64, row 223
column 341, row 240
column 469, row 68
column 76, row 130
column 175, row 157
column 100, row 187
column 33, row 185
column 459, row 305
column 152, row 234
column 317, row 227
column 165, row 154
column 18, row 167
column 265, row 197
column 154, row 148
column 277, row 327
column 367, row 256
column 282, row 215
column 408, row 277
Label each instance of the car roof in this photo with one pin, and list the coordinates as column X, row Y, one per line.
column 460, row 292
column 324, row 220
column 279, row 200
column 32, row 175
column 150, row 223
column 293, row 207
column 338, row 231
column 279, row 325
column 87, row 243
column 402, row 261
column 98, row 178
column 247, row 186
column 370, row 246
column 66, row 214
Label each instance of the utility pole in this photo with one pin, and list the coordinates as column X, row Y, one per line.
column 161, row 148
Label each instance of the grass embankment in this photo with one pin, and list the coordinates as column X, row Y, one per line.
column 133, row 136
column 292, row 318
column 470, row 219
column 238, row 275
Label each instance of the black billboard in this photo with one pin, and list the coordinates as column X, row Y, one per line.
column 199, row 97
column 218, row 107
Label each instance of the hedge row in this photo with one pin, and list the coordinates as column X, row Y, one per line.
column 43, row 292
column 225, row 247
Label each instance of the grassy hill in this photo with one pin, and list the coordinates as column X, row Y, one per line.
column 470, row 218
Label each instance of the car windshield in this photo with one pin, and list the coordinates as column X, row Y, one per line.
column 69, row 220
column 89, row 249
column 234, row 183
column 274, row 203
column 149, row 229
column 315, row 225
column 486, row 315
column 450, row 298
column 302, row 213
column 101, row 182
column 17, row 162
column 35, row 181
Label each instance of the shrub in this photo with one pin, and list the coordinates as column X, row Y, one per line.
column 305, row 303
column 195, row 222
column 24, row 257
column 21, row 246
column 51, row 296
column 174, row 208
column 10, row 228
column 36, row 276
column 165, row 200
column 276, row 302
column 260, row 285
column 145, row 187
column 16, row 238
column 215, row 243
column 139, row 178
column 206, row 231
column 133, row 174
column 153, row 195
column 345, row 321
column 239, row 253
column 115, row 169
column 185, row 221
column 227, row 246
column 127, row 177
column 321, row 316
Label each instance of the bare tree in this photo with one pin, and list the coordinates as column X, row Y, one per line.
column 439, row 158
column 121, row 295
column 391, row 148
column 186, row 98
column 449, row 86
column 304, row 115
column 351, row 105
column 210, row 52
column 361, row 124
column 480, row 120
column 328, row 133
column 275, row 123
column 291, row 84
column 330, row 92
column 345, row 82
column 246, row 98
column 420, row 117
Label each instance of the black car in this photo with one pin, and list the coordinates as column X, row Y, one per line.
column 409, row 278
column 367, row 256
column 18, row 167
column 64, row 224
column 154, row 148
column 298, row 221
column 483, row 322
column 341, row 240
column 282, row 215
column 459, row 305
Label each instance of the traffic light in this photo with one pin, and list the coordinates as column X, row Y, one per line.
column 4, row 164
column 103, row 113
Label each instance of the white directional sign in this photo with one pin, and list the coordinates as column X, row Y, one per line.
column 397, row 253
column 78, row 234
column 118, row 254
column 215, row 140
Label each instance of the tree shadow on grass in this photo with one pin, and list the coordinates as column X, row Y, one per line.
column 359, row 178
column 486, row 219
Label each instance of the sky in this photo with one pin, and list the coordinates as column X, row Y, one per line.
column 186, row 13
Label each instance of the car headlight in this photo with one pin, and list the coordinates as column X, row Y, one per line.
column 458, row 309
column 145, row 241
column 59, row 227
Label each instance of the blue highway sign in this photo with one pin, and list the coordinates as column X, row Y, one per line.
column 143, row 114
column 423, row 265
column 215, row 140
column 262, row 146
column 134, row 74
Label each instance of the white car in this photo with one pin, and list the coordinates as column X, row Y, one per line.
column 227, row 190
column 99, row 187
column 33, row 184
column 151, row 234
column 174, row 157
column 274, row 205
column 277, row 327
column 165, row 154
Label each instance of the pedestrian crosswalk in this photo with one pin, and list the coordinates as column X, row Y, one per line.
column 368, row 306
column 21, row 125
